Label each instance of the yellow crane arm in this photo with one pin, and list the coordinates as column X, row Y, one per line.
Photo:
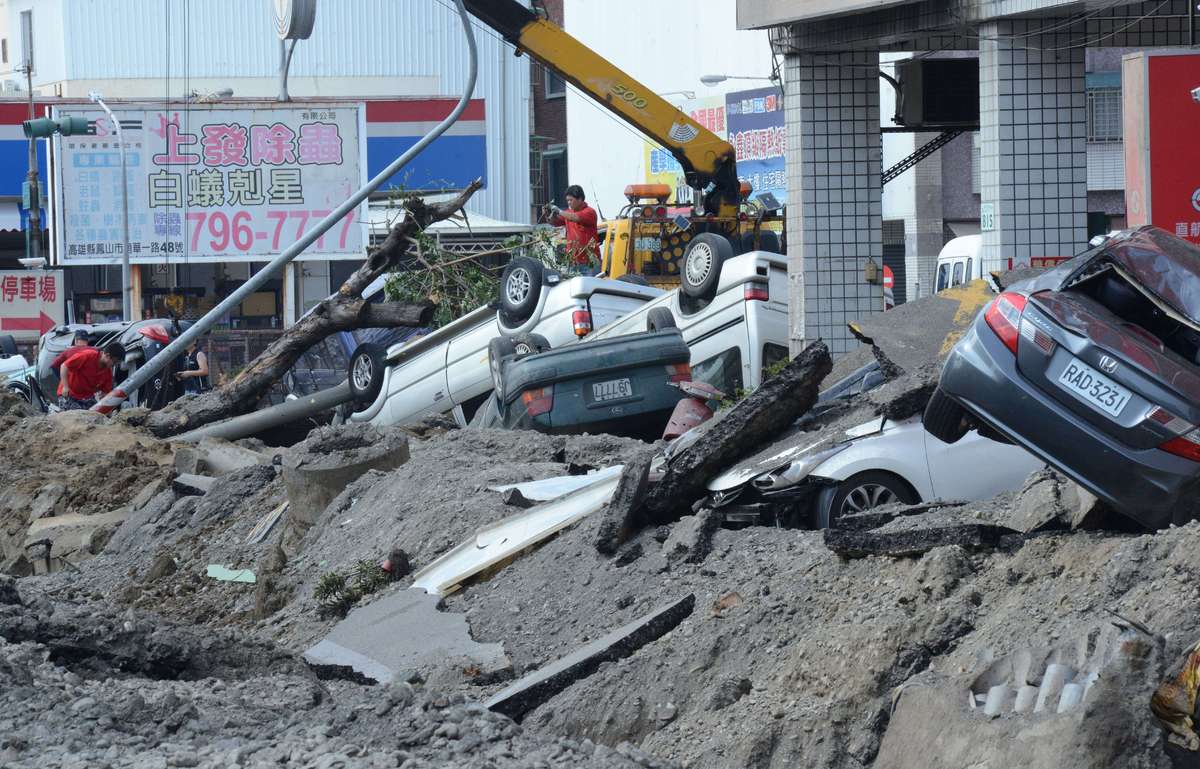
column 708, row 160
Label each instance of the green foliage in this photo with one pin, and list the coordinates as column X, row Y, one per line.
column 459, row 283
column 336, row 594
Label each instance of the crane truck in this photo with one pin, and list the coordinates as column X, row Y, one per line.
column 648, row 237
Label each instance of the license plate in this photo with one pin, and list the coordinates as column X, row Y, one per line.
column 611, row 390
column 1093, row 388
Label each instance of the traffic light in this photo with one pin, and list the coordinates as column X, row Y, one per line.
column 44, row 127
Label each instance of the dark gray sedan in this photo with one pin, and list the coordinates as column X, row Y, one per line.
column 1093, row 366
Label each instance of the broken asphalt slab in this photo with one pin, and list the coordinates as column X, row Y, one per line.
column 188, row 484
column 914, row 542
column 405, row 631
column 754, row 421
column 532, row 690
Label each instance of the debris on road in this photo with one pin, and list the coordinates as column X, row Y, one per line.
column 225, row 574
column 536, row 688
column 914, row 542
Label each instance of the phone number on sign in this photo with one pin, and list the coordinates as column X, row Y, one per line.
column 241, row 231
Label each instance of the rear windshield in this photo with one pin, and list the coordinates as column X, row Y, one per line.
column 723, row 371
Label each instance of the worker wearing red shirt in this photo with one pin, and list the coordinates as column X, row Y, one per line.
column 583, row 239
column 81, row 341
column 88, row 374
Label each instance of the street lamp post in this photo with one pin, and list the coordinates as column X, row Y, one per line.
column 126, row 272
column 718, row 79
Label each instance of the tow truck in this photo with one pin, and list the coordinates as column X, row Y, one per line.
column 664, row 244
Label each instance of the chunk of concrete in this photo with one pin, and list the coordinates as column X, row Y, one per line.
column 532, row 690
column 402, row 632
column 71, row 538
column 1082, row 510
column 148, row 492
column 691, row 538
column 738, row 432
column 189, row 485
column 914, row 542
column 318, row 469
column 216, row 456
column 553, row 488
column 620, row 517
column 50, row 501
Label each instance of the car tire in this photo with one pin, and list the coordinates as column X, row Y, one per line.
column 944, row 419
column 365, row 375
column 529, row 344
column 861, row 492
column 700, row 270
column 499, row 348
column 21, row 390
column 8, row 345
column 520, row 288
column 636, row 280
column 660, row 319
column 768, row 241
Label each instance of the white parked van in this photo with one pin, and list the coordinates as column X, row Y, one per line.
column 446, row 372
column 959, row 262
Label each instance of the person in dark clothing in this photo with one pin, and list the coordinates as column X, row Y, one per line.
column 195, row 371
column 87, row 375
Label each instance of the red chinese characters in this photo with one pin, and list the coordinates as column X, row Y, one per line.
column 320, row 144
column 224, row 144
column 272, row 145
column 168, row 131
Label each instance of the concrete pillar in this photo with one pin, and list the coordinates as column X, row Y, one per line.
column 1033, row 142
column 290, row 294
column 923, row 236
column 834, row 212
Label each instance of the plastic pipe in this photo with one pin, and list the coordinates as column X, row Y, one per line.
column 249, row 424
column 174, row 349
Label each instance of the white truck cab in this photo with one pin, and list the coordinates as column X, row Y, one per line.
column 959, row 262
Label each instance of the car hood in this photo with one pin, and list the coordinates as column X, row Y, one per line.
column 1164, row 267
column 798, row 442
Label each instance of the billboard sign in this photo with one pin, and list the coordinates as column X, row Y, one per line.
column 210, row 184
column 31, row 303
column 758, row 134
column 1162, row 156
column 662, row 167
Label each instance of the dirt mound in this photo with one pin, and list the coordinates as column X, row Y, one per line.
column 71, row 463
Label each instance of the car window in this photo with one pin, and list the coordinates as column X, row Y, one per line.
column 957, row 274
column 772, row 354
column 969, row 273
column 943, row 276
column 723, row 371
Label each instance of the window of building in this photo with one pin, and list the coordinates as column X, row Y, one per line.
column 3, row 50
column 27, row 39
column 556, row 87
column 1104, row 115
column 555, row 162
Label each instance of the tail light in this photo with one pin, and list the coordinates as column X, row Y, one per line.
column 660, row 212
column 756, row 292
column 582, row 321
column 1003, row 316
column 1040, row 338
column 679, row 372
column 1186, row 442
column 538, row 401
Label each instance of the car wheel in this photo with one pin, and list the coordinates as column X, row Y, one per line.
column 22, row 391
column 366, row 372
column 498, row 349
column 862, row 492
column 529, row 344
column 944, row 419
column 659, row 319
column 520, row 287
column 8, row 345
column 768, row 241
column 702, row 262
column 636, row 280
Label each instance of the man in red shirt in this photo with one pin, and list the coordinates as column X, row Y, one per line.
column 583, row 240
column 88, row 374
column 81, row 341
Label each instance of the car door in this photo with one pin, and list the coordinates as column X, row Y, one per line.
column 976, row 467
column 467, row 373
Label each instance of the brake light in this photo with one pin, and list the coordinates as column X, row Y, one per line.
column 756, row 292
column 582, row 321
column 679, row 372
column 1186, row 442
column 661, row 211
column 1040, row 339
column 538, row 401
column 1003, row 316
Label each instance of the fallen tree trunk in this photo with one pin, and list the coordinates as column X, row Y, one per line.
column 345, row 311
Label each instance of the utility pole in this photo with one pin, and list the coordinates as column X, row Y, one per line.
column 32, row 197
column 126, row 273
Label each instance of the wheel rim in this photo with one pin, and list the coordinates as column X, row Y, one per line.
column 699, row 263
column 523, row 349
column 495, row 366
column 867, row 496
column 362, row 372
column 517, row 287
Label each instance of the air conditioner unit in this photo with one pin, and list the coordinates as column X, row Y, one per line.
column 938, row 93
